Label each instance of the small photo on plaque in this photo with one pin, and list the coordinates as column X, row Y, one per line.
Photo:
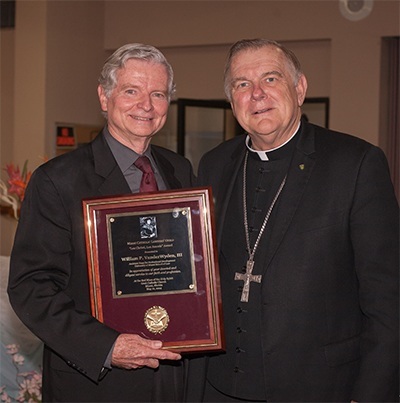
column 148, row 227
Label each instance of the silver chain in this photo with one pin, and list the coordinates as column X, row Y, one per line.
column 264, row 224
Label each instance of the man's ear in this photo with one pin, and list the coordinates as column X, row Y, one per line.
column 102, row 98
column 233, row 109
column 301, row 89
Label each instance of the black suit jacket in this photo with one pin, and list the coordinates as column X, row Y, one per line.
column 329, row 313
column 48, row 285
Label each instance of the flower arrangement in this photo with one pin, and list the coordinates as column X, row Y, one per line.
column 14, row 194
column 30, row 383
column 18, row 180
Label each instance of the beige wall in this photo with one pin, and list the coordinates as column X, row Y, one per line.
column 75, row 54
column 351, row 61
column 7, row 224
column 50, row 62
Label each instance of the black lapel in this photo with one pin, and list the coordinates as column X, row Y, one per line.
column 167, row 170
column 223, row 192
column 105, row 166
column 299, row 173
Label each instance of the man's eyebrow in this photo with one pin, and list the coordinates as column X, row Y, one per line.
column 266, row 74
column 235, row 80
column 129, row 85
column 165, row 91
column 137, row 86
column 272, row 73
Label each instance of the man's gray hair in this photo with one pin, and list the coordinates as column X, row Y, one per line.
column 108, row 75
column 255, row 44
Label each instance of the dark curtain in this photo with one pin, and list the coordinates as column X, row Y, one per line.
column 393, row 141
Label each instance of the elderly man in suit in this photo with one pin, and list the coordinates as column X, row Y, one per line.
column 308, row 236
column 84, row 360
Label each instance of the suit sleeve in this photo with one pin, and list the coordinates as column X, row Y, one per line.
column 375, row 239
column 48, row 278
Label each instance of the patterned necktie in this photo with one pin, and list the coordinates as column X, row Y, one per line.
column 148, row 183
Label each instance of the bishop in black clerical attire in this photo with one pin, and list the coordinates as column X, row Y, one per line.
column 308, row 240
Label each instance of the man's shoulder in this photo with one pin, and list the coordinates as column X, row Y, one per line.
column 71, row 158
column 337, row 144
column 340, row 150
column 70, row 167
column 227, row 149
column 323, row 134
column 172, row 156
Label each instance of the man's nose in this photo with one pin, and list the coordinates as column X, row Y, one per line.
column 258, row 92
column 145, row 102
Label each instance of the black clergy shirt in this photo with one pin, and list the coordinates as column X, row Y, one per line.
column 239, row 371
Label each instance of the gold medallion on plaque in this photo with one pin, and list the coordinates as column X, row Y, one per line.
column 156, row 319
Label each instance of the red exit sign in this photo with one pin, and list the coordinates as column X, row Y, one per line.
column 65, row 136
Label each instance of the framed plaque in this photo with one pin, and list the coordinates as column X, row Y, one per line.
column 153, row 268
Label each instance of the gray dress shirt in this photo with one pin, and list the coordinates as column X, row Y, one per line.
column 126, row 158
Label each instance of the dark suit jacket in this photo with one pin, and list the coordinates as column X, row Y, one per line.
column 329, row 326
column 48, row 284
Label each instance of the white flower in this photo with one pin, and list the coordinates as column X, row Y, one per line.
column 4, row 396
column 30, row 387
column 18, row 359
column 12, row 348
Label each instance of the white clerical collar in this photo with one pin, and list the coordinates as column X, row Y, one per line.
column 264, row 154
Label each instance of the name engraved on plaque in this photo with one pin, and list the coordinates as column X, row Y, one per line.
column 151, row 253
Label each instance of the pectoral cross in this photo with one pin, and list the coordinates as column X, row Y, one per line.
column 247, row 277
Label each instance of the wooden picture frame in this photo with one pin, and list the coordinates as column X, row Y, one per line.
column 153, row 267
